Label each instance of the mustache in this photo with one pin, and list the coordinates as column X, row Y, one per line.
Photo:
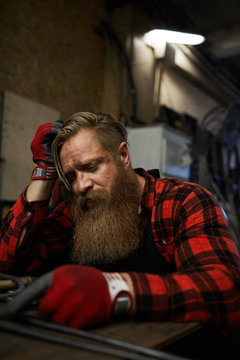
column 82, row 201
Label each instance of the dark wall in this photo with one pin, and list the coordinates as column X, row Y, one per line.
column 50, row 53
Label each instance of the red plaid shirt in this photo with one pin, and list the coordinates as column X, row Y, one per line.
column 190, row 231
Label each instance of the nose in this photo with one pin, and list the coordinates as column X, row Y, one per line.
column 83, row 183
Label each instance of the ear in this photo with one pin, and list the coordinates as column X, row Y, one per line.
column 124, row 154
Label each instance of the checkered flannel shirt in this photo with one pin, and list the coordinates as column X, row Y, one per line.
column 189, row 229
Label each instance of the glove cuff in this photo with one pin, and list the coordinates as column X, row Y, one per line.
column 121, row 298
column 44, row 173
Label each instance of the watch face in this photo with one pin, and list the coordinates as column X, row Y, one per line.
column 39, row 172
column 123, row 303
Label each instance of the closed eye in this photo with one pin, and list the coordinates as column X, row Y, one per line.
column 91, row 168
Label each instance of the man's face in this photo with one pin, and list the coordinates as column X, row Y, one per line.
column 105, row 202
column 87, row 166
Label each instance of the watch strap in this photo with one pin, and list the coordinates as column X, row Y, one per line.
column 44, row 173
column 121, row 298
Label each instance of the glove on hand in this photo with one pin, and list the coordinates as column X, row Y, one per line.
column 81, row 296
column 42, row 142
column 41, row 150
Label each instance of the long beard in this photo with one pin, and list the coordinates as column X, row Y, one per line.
column 107, row 226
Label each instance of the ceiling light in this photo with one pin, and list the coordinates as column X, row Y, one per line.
column 153, row 37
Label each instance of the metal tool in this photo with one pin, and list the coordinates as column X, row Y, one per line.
column 135, row 352
column 11, row 285
column 24, row 296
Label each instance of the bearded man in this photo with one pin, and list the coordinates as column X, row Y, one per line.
column 134, row 244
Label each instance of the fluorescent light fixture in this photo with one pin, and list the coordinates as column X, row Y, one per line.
column 153, row 37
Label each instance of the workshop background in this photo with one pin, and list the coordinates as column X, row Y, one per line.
column 181, row 103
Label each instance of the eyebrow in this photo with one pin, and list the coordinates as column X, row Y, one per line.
column 84, row 165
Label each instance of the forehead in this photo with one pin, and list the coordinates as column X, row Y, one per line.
column 83, row 138
column 82, row 146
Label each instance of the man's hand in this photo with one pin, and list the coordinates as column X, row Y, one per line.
column 42, row 142
column 81, row 297
column 42, row 151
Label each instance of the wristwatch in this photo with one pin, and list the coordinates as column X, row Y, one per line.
column 119, row 292
column 122, row 304
column 44, row 173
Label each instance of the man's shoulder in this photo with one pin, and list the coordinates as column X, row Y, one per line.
column 175, row 189
column 171, row 182
column 172, row 187
column 177, row 182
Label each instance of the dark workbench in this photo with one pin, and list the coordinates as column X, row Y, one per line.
column 190, row 341
column 149, row 334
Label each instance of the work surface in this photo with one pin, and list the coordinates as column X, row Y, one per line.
column 154, row 335
column 23, row 336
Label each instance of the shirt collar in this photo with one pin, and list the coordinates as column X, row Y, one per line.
column 149, row 189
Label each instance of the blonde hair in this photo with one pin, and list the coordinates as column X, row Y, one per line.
column 109, row 132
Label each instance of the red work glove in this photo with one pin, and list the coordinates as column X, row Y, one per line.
column 81, row 296
column 41, row 150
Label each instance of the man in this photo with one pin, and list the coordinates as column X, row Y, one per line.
column 156, row 249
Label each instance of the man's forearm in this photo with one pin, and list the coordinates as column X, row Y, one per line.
column 39, row 190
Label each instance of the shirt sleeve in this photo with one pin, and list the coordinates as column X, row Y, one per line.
column 46, row 240
column 205, row 286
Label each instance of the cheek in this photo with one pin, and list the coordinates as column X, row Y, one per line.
column 105, row 178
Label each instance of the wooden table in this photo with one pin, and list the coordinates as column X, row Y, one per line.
column 155, row 335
